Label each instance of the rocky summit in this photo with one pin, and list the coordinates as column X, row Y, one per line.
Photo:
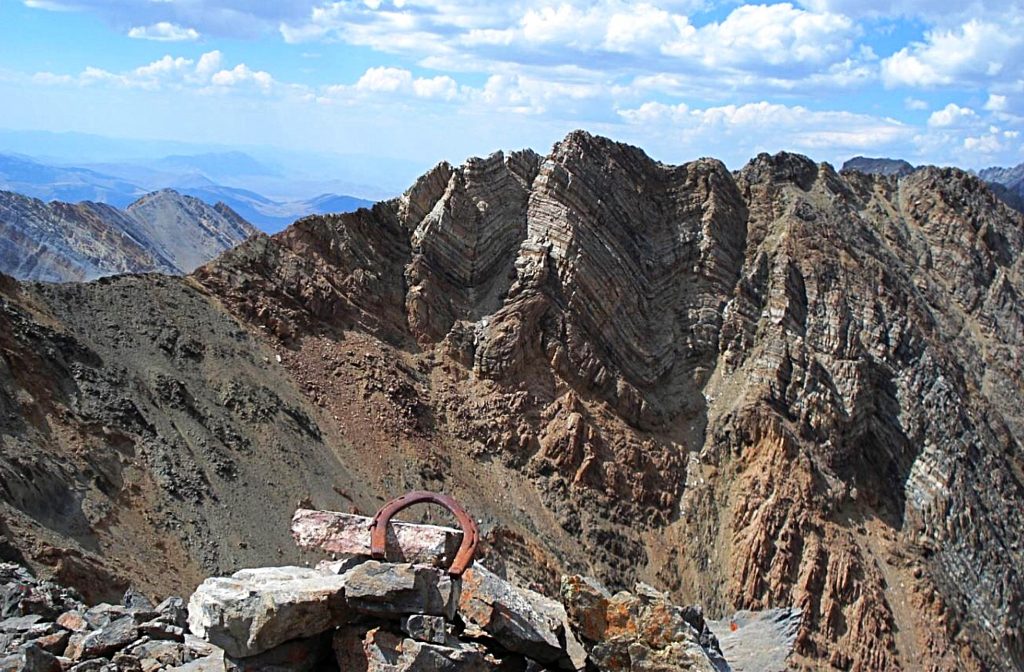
column 776, row 388
column 387, row 615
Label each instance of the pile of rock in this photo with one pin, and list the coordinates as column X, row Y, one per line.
column 353, row 612
column 47, row 628
column 363, row 614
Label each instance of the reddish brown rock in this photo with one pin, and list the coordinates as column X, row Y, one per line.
column 349, row 535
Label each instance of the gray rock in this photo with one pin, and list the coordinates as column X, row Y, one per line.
column 32, row 658
column 95, row 665
column 211, row 663
column 377, row 650
column 255, row 610
column 19, row 623
column 520, row 620
column 432, row 629
column 159, row 654
column 136, row 601
column 103, row 614
column 298, row 655
column 105, row 641
column 173, row 611
column 385, row 589
column 159, row 630
column 126, row 662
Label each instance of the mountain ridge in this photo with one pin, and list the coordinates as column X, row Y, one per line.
column 162, row 232
column 122, row 185
column 781, row 387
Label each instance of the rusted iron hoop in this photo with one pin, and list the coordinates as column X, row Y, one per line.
column 470, row 534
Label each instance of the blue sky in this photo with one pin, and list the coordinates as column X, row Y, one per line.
column 937, row 81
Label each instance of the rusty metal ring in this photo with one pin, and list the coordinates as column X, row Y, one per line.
column 470, row 534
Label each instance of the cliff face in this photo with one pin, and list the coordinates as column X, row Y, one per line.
column 162, row 232
column 779, row 387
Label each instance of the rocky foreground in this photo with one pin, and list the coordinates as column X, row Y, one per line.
column 357, row 613
column 779, row 387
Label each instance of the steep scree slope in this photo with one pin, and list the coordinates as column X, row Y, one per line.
column 776, row 387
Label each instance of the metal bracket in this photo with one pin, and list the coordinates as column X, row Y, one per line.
column 470, row 534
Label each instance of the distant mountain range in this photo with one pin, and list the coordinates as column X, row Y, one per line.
column 1006, row 183
column 163, row 232
column 201, row 176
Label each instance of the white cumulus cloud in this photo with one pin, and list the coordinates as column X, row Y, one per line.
column 164, row 31
column 974, row 52
column 951, row 115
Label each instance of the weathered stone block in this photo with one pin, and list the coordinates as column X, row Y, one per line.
column 257, row 609
column 349, row 534
column 521, row 620
column 385, row 589
column 109, row 639
column 298, row 655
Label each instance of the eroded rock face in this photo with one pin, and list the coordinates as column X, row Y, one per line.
column 771, row 388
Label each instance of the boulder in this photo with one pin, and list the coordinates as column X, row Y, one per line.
column 390, row 590
column 349, row 535
column 173, row 611
column 73, row 620
column 133, row 600
column 157, row 629
column 521, row 620
column 257, row 609
column 639, row 631
column 30, row 659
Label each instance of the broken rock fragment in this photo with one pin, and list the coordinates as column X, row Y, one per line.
column 521, row 620
column 386, row 589
column 257, row 609
column 636, row 632
column 377, row 650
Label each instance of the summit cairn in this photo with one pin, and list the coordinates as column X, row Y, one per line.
column 401, row 597
column 393, row 597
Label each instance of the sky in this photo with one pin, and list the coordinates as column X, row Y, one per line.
column 930, row 81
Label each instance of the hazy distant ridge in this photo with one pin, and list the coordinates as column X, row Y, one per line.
column 164, row 232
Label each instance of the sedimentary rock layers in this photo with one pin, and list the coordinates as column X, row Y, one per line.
column 776, row 387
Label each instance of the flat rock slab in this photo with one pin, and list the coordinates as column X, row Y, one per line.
column 257, row 609
column 758, row 641
column 349, row 534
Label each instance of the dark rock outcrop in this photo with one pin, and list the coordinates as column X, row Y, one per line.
column 888, row 167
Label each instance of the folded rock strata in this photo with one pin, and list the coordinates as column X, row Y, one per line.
column 775, row 387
